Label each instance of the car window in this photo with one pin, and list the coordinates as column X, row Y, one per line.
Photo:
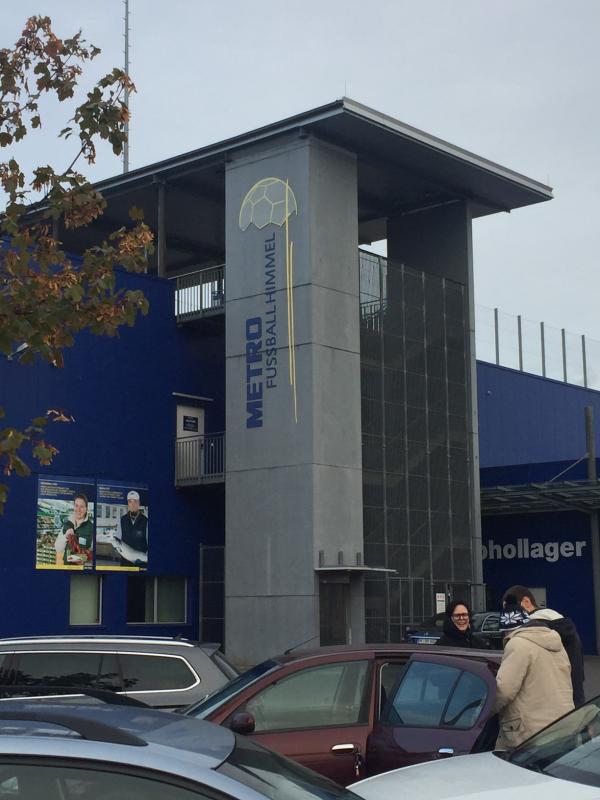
column 466, row 703
column 329, row 695
column 56, row 669
column 42, row 782
column 389, row 675
column 422, row 695
column 491, row 623
column 143, row 673
column 436, row 695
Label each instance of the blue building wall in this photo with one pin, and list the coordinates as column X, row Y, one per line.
column 120, row 392
column 525, row 419
column 532, row 429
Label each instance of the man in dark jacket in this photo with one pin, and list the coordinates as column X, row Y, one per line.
column 566, row 629
column 133, row 531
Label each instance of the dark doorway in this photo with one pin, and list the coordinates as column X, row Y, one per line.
column 333, row 612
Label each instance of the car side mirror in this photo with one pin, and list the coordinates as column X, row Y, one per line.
column 242, row 722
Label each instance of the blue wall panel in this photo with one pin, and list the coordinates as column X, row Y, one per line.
column 120, row 392
column 525, row 419
column 568, row 580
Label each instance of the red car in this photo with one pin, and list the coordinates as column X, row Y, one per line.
column 352, row 711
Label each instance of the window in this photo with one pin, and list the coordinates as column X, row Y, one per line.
column 466, row 702
column 85, row 601
column 156, row 599
column 43, row 668
column 491, row 623
column 388, row 677
column 26, row 781
column 312, row 698
column 436, row 695
column 148, row 673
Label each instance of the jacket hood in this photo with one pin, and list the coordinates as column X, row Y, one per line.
column 539, row 634
column 545, row 613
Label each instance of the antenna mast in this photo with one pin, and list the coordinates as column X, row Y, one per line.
column 126, row 96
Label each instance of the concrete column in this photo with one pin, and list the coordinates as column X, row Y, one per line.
column 293, row 480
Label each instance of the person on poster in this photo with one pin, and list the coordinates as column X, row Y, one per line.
column 74, row 544
column 132, row 533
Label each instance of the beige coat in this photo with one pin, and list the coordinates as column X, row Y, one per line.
column 533, row 685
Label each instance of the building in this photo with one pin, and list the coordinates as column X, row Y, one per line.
column 341, row 385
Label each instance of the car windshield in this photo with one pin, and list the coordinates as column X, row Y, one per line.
column 277, row 777
column 213, row 701
column 568, row 749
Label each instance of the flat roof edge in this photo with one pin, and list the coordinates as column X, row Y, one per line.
column 410, row 132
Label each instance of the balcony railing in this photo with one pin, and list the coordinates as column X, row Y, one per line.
column 200, row 294
column 200, row 459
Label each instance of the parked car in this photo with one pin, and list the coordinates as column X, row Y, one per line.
column 338, row 710
column 559, row 762
column 50, row 752
column 162, row 671
column 486, row 624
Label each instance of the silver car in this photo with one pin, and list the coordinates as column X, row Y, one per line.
column 105, row 752
column 161, row 671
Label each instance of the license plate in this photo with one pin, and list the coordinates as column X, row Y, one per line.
column 426, row 640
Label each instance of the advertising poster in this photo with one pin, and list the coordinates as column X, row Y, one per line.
column 65, row 523
column 121, row 526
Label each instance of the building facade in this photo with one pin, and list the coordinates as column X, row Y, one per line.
column 317, row 477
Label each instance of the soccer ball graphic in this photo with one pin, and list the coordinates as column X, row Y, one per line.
column 269, row 202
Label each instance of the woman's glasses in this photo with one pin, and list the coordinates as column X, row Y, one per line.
column 460, row 616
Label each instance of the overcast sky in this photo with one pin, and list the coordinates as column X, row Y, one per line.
column 516, row 82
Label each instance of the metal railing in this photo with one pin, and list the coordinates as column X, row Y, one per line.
column 199, row 294
column 537, row 348
column 200, row 459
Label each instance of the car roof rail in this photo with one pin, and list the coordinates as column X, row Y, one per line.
column 88, row 729
column 107, row 696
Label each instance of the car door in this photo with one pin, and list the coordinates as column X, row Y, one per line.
column 438, row 707
column 318, row 715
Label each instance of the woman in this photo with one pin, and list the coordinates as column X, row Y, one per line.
column 457, row 626
column 77, row 535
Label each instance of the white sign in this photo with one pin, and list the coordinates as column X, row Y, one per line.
column 440, row 602
column 523, row 548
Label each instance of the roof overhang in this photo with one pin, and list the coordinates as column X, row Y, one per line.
column 541, row 497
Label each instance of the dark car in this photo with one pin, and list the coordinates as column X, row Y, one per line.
column 335, row 710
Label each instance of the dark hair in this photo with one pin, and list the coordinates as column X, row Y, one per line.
column 450, row 608
column 515, row 594
column 81, row 496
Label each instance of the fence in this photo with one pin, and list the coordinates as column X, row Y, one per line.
column 200, row 293
column 537, row 348
column 200, row 459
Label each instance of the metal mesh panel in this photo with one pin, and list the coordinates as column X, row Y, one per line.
column 416, row 489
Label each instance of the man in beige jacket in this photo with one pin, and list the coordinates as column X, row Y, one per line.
column 533, row 684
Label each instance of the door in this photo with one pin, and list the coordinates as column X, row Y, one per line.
column 190, row 441
column 333, row 610
column 318, row 716
column 438, row 707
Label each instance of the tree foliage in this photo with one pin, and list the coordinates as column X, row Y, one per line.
column 46, row 297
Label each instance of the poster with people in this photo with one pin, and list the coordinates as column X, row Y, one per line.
column 65, row 523
column 122, row 526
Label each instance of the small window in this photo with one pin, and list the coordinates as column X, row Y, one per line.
column 85, row 600
column 147, row 673
column 389, row 675
column 312, row 698
column 57, row 669
column 114, row 512
column 491, row 623
column 156, row 599
column 100, row 510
